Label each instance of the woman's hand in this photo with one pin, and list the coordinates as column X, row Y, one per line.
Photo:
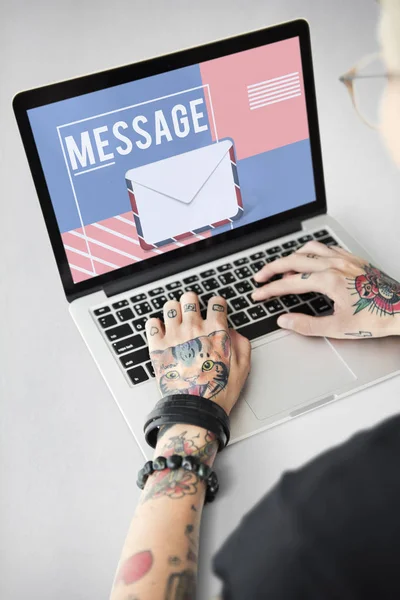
column 367, row 301
column 192, row 355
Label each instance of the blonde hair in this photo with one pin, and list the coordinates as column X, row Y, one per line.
column 389, row 33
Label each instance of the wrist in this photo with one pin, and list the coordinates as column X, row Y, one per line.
column 187, row 440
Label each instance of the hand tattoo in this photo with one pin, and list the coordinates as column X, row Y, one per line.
column 360, row 334
column 154, row 330
column 135, row 567
column 305, row 275
column 200, row 366
column 189, row 308
column 181, row 586
column 377, row 291
column 172, row 313
column 218, row 307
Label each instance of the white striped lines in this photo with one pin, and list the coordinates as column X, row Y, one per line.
column 272, row 91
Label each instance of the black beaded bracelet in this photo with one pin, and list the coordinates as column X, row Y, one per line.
column 189, row 463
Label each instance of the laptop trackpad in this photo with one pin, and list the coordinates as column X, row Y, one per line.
column 292, row 370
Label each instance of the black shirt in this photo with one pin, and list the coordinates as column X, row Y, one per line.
column 330, row 530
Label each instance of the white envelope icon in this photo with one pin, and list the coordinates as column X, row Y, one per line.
column 179, row 195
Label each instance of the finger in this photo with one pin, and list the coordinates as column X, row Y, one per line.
column 190, row 308
column 309, row 326
column 295, row 284
column 300, row 263
column 155, row 332
column 242, row 349
column 217, row 312
column 172, row 315
column 317, row 248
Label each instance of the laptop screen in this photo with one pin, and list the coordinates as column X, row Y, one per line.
column 146, row 167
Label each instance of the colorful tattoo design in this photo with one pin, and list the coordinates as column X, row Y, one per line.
column 189, row 308
column 199, row 366
column 377, row 291
column 192, row 551
column 154, row 330
column 218, row 307
column 360, row 334
column 135, row 567
column 305, row 275
column 181, row 586
column 172, row 313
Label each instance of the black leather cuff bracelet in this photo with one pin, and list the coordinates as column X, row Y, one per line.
column 189, row 410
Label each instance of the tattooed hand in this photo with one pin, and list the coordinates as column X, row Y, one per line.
column 192, row 355
column 366, row 300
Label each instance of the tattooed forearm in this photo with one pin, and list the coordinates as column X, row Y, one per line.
column 376, row 291
column 181, row 586
column 360, row 334
column 192, row 551
column 135, row 567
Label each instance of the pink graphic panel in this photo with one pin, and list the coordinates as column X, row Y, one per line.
column 110, row 244
column 258, row 97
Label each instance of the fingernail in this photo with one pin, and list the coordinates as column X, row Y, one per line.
column 285, row 321
column 256, row 295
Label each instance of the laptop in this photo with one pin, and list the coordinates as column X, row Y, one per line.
column 190, row 171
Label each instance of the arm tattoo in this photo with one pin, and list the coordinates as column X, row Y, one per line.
column 172, row 313
column 360, row 334
column 305, row 275
column 376, row 291
column 192, row 551
column 189, row 308
column 135, row 567
column 154, row 330
column 181, row 586
column 194, row 508
column 218, row 307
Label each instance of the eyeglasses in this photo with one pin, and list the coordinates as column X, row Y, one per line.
column 366, row 82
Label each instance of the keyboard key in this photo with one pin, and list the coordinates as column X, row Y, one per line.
column 156, row 292
column 203, row 312
column 173, row 285
column 287, row 253
column 107, row 321
column 273, row 250
column 257, row 312
column 119, row 332
column 195, row 287
column 130, row 343
column 140, row 324
column 239, row 303
column 137, row 375
column 257, row 266
column 290, row 244
column 159, row 302
column 321, row 305
column 257, row 256
column 205, row 298
column 304, row 239
column 150, row 369
column 143, row 309
column 125, row 315
column 135, row 358
column 210, row 284
column 272, row 258
column 208, row 273
column 321, row 234
column 227, row 278
column 308, row 296
column 157, row 315
column 273, row 306
column 329, row 241
column 138, row 298
column 120, row 304
column 101, row 311
column 240, row 319
column 290, row 300
column 223, row 268
column 243, row 272
column 259, row 328
column 243, row 287
column 190, row 279
column 175, row 295
column 241, row 261
column 256, row 283
column 304, row 309
column 227, row 292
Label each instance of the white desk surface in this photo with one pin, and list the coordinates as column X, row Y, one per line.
column 68, row 462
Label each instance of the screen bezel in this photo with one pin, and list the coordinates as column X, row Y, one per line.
column 27, row 100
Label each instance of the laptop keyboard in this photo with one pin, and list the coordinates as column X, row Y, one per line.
column 123, row 322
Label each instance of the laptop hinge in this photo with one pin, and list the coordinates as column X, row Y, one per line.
column 198, row 258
